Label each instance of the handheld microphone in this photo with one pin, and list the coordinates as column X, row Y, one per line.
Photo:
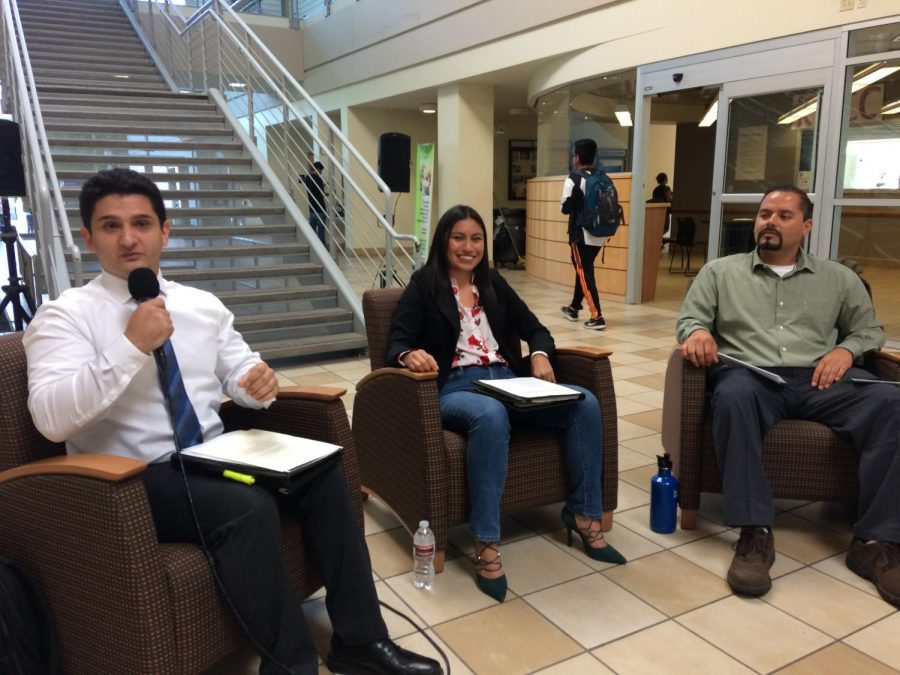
column 143, row 285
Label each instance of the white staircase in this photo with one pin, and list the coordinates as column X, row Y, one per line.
column 104, row 104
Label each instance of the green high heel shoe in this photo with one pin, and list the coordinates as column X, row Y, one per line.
column 494, row 588
column 588, row 536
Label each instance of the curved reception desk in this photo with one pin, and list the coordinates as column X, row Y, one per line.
column 547, row 247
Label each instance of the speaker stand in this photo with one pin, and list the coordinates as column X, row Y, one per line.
column 16, row 289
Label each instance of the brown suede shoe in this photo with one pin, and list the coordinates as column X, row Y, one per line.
column 754, row 554
column 880, row 564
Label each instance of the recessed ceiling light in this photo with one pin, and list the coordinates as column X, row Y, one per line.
column 428, row 108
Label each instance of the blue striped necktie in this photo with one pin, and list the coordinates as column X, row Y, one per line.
column 184, row 419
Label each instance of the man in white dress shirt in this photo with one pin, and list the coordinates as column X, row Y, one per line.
column 93, row 383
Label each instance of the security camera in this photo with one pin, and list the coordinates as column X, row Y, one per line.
column 677, row 77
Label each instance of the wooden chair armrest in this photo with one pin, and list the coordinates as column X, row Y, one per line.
column 584, row 350
column 395, row 372
column 311, row 393
column 101, row 467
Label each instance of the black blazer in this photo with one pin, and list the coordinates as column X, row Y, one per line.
column 424, row 321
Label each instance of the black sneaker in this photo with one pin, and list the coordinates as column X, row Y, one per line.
column 569, row 313
column 596, row 324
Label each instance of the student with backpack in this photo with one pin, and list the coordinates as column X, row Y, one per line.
column 589, row 199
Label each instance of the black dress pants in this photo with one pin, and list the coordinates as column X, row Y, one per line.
column 745, row 406
column 242, row 527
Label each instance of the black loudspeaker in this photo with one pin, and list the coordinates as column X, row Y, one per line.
column 393, row 160
column 12, row 173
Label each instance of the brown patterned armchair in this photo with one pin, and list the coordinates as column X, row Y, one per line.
column 419, row 469
column 81, row 528
column 803, row 460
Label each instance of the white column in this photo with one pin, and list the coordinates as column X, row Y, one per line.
column 465, row 149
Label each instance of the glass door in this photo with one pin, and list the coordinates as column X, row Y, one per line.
column 767, row 134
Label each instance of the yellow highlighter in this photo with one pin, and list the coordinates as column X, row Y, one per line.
column 239, row 477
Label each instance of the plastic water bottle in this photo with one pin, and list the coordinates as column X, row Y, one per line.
column 423, row 556
column 663, row 497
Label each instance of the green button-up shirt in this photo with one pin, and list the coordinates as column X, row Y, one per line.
column 767, row 320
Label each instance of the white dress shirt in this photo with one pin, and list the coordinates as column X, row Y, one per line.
column 90, row 386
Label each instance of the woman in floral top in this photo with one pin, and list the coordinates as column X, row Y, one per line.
column 462, row 319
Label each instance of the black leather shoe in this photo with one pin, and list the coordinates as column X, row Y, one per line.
column 378, row 658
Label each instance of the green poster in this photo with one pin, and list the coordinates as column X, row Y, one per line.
column 424, row 185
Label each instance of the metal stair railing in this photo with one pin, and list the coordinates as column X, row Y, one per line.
column 213, row 48
column 45, row 198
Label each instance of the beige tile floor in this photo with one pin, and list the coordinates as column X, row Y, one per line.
column 669, row 610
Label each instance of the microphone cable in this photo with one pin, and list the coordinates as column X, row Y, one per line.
column 254, row 642
column 245, row 629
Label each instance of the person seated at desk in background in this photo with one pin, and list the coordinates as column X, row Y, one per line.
column 662, row 194
column 808, row 320
column 93, row 383
column 458, row 317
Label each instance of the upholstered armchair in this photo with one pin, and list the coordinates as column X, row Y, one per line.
column 81, row 528
column 802, row 459
column 418, row 468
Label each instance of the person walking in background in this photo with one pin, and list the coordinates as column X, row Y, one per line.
column 315, row 194
column 584, row 246
column 459, row 317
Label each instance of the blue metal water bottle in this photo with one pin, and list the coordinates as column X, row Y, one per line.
column 663, row 497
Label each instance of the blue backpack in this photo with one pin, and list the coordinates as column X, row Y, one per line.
column 602, row 214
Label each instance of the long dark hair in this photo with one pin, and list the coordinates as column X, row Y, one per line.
column 436, row 266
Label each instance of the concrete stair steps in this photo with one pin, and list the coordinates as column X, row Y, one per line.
column 83, row 65
column 125, row 105
column 73, row 6
column 85, row 17
column 85, row 112
column 125, row 95
column 70, row 195
column 127, row 138
column 281, row 320
column 58, row 53
column 243, row 300
column 41, row 56
column 291, row 271
column 201, row 277
column 218, row 252
column 66, row 44
column 250, row 182
column 115, row 85
column 100, row 143
column 110, row 161
column 248, row 232
column 106, row 76
column 45, row 32
column 310, row 346
column 208, row 211
column 57, row 122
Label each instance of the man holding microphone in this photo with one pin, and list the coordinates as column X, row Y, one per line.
column 93, row 383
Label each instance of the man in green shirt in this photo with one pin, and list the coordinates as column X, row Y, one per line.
column 807, row 320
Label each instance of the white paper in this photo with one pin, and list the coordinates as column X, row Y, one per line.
column 861, row 380
column 264, row 449
column 529, row 387
column 756, row 369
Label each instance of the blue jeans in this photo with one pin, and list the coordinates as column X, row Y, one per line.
column 487, row 423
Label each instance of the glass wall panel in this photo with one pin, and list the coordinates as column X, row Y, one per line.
column 871, row 141
column 600, row 108
column 871, row 236
column 874, row 40
column 772, row 141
